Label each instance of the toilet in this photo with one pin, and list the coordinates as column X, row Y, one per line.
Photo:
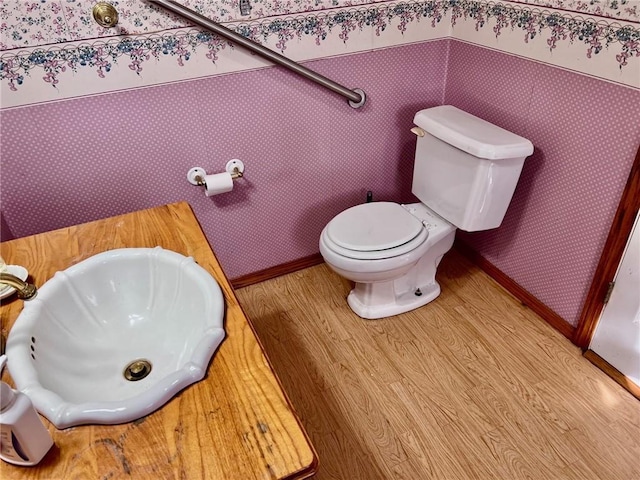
column 464, row 174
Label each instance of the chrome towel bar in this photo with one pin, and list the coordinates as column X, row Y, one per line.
column 356, row 96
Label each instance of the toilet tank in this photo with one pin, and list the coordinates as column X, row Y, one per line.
column 466, row 169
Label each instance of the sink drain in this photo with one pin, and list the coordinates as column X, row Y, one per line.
column 137, row 370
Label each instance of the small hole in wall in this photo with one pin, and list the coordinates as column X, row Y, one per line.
column 33, row 349
column 33, row 356
column 33, row 339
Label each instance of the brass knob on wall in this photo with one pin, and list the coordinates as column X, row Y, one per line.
column 105, row 14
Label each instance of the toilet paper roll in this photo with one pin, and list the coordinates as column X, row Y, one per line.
column 218, row 183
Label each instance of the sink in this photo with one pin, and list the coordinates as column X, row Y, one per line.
column 116, row 336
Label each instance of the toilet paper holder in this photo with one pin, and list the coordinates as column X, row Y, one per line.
column 234, row 167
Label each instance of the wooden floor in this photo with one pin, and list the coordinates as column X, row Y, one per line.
column 472, row 386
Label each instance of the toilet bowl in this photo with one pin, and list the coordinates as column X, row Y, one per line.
column 464, row 174
column 391, row 252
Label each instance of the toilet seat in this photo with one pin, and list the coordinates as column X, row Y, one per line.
column 373, row 231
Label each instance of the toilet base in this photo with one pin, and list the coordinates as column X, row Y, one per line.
column 387, row 287
column 387, row 302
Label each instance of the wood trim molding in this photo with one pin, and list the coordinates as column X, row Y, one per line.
column 611, row 256
column 276, row 271
column 613, row 372
column 515, row 289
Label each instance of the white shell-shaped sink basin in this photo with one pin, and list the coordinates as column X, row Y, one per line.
column 69, row 348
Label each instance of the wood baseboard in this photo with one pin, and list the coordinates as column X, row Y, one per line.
column 276, row 271
column 551, row 317
column 613, row 372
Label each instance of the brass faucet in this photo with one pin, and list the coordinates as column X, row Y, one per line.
column 26, row 291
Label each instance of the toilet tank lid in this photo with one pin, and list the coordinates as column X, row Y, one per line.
column 472, row 134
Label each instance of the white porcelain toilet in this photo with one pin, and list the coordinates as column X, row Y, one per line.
column 465, row 172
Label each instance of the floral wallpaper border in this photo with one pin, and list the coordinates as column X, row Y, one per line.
column 27, row 24
column 54, row 65
column 628, row 10
column 596, row 35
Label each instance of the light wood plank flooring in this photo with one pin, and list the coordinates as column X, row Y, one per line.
column 471, row 386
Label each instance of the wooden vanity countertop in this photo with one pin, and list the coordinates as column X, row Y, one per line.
column 236, row 423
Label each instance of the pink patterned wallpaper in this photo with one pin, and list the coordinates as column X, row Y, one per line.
column 585, row 132
column 308, row 155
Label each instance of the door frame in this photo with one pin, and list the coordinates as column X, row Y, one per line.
column 611, row 257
